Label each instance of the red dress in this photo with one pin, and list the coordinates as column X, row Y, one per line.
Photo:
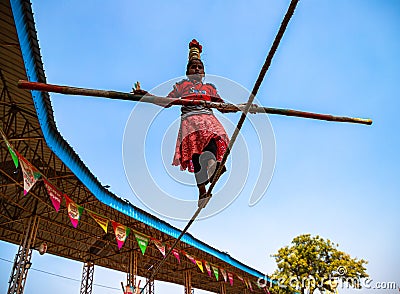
column 198, row 124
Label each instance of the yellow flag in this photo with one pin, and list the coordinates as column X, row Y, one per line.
column 101, row 220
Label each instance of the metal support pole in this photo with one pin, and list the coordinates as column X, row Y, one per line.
column 22, row 261
column 87, row 278
column 132, row 269
column 188, row 282
column 150, row 287
column 223, row 288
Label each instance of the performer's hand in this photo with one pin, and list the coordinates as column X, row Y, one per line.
column 140, row 92
column 252, row 109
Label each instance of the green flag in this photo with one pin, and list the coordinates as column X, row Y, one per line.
column 11, row 150
column 142, row 242
column 216, row 271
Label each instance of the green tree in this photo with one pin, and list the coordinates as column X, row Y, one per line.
column 312, row 263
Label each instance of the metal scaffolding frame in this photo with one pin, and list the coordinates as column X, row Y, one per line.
column 22, row 261
column 87, row 278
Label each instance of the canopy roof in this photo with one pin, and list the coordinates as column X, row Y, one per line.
column 28, row 122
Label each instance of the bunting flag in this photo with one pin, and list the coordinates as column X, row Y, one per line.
column 240, row 278
column 11, row 150
column 215, row 270
column 223, row 272
column 190, row 257
column 251, row 288
column 74, row 211
column 101, row 220
column 230, row 277
column 159, row 245
column 55, row 195
column 143, row 241
column 208, row 268
column 30, row 173
column 121, row 233
column 200, row 265
column 176, row 254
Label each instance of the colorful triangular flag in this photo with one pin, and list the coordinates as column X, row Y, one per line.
column 55, row 195
column 101, row 220
column 74, row 211
column 230, row 277
column 14, row 156
column 143, row 241
column 30, row 173
column 121, row 233
column 200, row 265
column 251, row 287
column 175, row 252
column 223, row 272
column 216, row 271
column 208, row 268
column 190, row 257
column 159, row 245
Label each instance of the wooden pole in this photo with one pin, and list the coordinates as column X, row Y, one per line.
column 164, row 102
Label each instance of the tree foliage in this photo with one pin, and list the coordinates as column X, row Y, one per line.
column 312, row 263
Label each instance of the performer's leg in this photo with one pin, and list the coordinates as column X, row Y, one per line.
column 208, row 158
column 200, row 174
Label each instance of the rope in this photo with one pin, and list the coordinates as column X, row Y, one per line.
column 256, row 87
column 254, row 92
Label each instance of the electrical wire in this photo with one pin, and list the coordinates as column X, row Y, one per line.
column 63, row 277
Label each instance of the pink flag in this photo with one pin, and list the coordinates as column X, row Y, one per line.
column 30, row 173
column 74, row 211
column 175, row 252
column 121, row 233
column 230, row 277
column 55, row 195
column 208, row 268
column 159, row 245
column 190, row 257
column 251, row 288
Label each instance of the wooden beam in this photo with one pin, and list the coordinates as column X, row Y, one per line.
column 162, row 101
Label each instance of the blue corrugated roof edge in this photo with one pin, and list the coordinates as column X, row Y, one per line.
column 65, row 152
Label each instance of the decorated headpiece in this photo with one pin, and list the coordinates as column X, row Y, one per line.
column 194, row 50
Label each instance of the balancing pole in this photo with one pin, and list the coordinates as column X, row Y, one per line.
column 164, row 102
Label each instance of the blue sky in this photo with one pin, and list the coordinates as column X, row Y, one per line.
column 339, row 181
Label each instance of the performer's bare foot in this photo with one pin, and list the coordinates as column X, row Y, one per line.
column 202, row 190
column 203, row 197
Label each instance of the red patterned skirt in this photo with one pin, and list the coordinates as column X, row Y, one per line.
column 195, row 133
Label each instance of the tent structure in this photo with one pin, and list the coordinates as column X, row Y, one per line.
column 30, row 218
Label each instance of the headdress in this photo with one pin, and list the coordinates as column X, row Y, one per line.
column 194, row 50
